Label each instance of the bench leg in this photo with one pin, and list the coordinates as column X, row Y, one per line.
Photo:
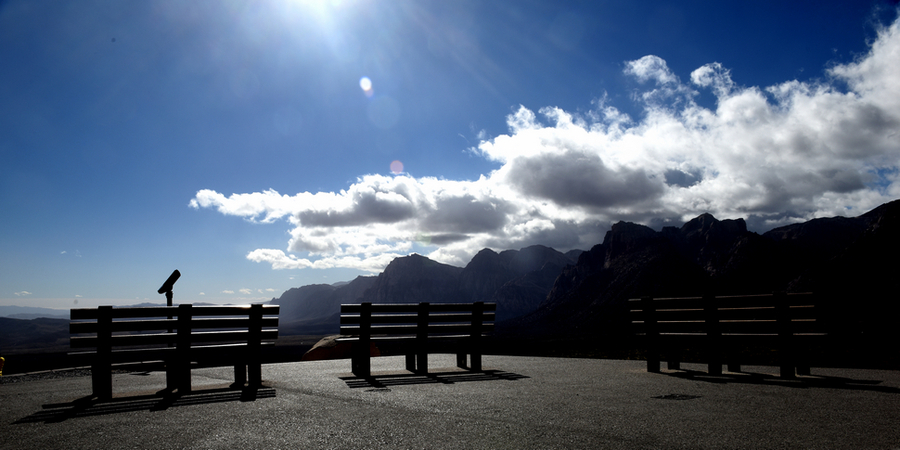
column 359, row 360
column 255, row 374
column 170, row 375
column 101, row 380
column 411, row 361
column 787, row 363
column 461, row 358
column 672, row 356
column 422, row 361
column 653, row 356
column 714, row 355
column 240, row 374
column 787, row 370
column 178, row 375
column 476, row 361
column 183, row 376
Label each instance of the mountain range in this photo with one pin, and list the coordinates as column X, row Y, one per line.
column 578, row 297
column 541, row 292
column 517, row 280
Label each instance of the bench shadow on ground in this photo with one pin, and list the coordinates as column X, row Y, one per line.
column 159, row 401
column 382, row 380
column 801, row 382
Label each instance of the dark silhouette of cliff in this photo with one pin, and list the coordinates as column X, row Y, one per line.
column 850, row 261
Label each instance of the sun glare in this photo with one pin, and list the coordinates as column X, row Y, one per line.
column 366, row 84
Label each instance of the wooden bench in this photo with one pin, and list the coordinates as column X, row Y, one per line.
column 722, row 326
column 415, row 327
column 175, row 336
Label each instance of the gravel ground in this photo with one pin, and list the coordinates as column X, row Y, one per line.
column 47, row 375
column 517, row 403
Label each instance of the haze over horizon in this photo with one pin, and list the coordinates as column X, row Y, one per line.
column 259, row 146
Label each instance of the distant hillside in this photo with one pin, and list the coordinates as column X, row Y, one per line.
column 315, row 309
column 31, row 312
column 518, row 280
column 42, row 335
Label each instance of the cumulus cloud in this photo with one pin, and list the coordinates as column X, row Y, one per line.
column 651, row 68
column 777, row 154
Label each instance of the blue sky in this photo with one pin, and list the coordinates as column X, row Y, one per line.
column 233, row 140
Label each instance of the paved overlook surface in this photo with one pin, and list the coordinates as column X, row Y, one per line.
column 519, row 402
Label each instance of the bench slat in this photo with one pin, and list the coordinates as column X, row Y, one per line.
column 742, row 301
column 433, row 329
column 166, row 311
column 204, row 352
column 165, row 324
column 159, row 339
column 414, row 318
column 413, row 307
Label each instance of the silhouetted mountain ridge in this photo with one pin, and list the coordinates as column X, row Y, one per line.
column 543, row 294
column 518, row 280
column 848, row 259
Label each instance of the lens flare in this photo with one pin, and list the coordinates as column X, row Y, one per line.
column 366, row 84
column 396, row 167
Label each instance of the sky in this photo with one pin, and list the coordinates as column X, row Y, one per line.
column 261, row 145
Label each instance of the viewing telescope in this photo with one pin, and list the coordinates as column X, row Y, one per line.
column 167, row 286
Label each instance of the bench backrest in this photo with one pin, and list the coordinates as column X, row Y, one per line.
column 417, row 319
column 168, row 326
column 748, row 315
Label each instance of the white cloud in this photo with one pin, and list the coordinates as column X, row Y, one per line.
column 22, row 293
column 227, row 292
column 268, row 204
column 651, row 67
column 788, row 152
column 714, row 76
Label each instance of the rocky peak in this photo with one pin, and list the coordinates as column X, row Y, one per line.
column 303, row 301
column 484, row 274
column 706, row 229
column 415, row 278
column 535, row 257
column 623, row 237
column 415, row 263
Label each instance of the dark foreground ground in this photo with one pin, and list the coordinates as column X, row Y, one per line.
column 518, row 402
